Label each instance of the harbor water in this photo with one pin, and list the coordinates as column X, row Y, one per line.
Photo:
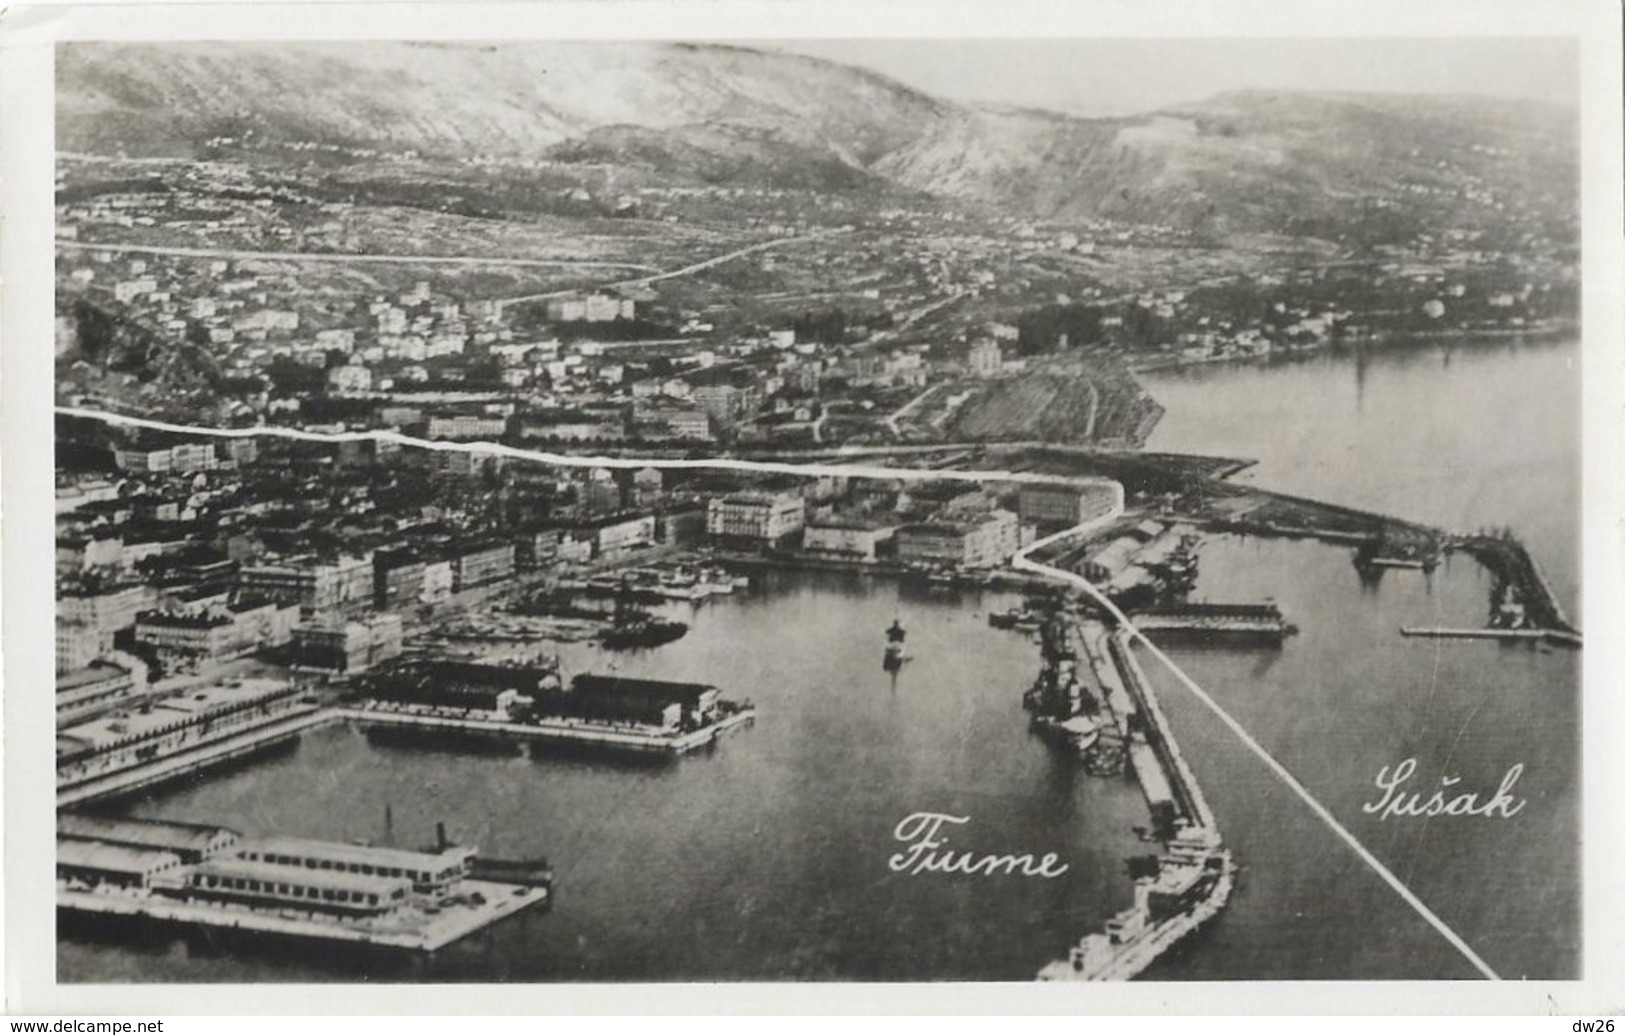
column 766, row 858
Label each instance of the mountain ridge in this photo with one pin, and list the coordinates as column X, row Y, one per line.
column 1242, row 160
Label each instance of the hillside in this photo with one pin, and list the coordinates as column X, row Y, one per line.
column 1313, row 165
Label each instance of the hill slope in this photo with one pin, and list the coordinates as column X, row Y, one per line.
column 1306, row 164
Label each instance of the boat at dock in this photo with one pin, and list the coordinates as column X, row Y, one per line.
column 634, row 627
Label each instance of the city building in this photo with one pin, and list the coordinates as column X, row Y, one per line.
column 344, row 582
column 180, row 642
column 757, row 517
column 977, row 541
column 465, row 426
column 397, row 579
column 852, row 539
column 985, row 358
column 78, row 644
column 106, row 610
column 478, row 564
column 340, row 645
column 1067, row 503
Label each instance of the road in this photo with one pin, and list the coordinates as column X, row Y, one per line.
column 681, row 271
column 347, row 257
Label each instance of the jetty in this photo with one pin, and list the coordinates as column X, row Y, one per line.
column 1179, row 891
column 1560, row 637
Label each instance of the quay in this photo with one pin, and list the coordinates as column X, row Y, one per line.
column 555, row 731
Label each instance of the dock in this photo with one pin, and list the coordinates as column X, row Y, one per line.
column 420, row 933
column 1215, row 625
column 204, row 756
column 559, row 732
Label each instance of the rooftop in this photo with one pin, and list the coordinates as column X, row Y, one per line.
column 119, row 858
column 303, row 876
column 338, row 851
column 95, row 672
column 152, row 833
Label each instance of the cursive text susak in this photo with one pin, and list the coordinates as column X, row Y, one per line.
column 922, row 832
column 1445, row 801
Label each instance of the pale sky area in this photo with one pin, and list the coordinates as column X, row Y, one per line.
column 1126, row 76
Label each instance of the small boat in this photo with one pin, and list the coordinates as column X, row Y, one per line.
column 895, row 654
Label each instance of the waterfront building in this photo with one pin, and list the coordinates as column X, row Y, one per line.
column 97, row 687
column 981, row 541
column 697, row 702
column 619, row 536
column 189, row 842
column 1067, row 503
column 258, row 884
column 756, row 517
column 478, row 564
column 184, row 641
column 92, row 864
column 427, row 872
column 846, row 538
column 680, row 527
column 184, row 721
column 339, row 645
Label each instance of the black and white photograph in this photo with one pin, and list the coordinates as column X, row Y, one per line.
column 1064, row 509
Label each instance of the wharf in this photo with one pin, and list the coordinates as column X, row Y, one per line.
column 417, row 932
column 204, row 756
column 556, row 732
column 1203, row 625
column 1562, row 637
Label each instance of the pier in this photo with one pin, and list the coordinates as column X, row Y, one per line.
column 1215, row 625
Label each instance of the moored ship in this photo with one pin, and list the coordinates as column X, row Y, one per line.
column 635, row 627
